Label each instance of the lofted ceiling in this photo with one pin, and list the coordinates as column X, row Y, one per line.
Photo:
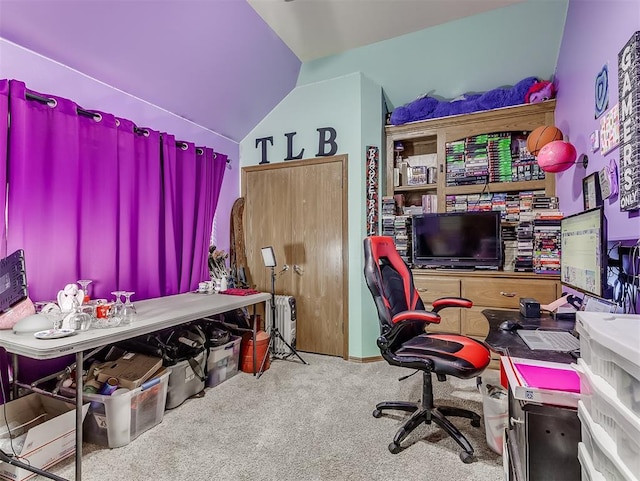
column 223, row 64
column 317, row 28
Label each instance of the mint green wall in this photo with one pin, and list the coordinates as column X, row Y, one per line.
column 350, row 104
column 344, row 91
column 477, row 53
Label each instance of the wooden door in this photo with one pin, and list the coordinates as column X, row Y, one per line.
column 266, row 218
column 300, row 209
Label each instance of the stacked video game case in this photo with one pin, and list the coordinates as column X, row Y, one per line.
column 402, row 237
column 524, row 165
column 455, row 161
column 476, row 164
column 495, row 157
column 388, row 216
column 546, row 234
column 546, row 246
column 524, row 255
column 510, row 242
column 499, row 152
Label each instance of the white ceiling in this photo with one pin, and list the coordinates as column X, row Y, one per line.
column 316, row 28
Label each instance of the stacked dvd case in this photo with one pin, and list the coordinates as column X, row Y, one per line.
column 402, row 237
column 524, row 255
column 499, row 152
column 546, row 246
column 388, row 216
column 496, row 157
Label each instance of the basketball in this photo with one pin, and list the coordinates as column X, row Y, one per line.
column 557, row 156
column 541, row 136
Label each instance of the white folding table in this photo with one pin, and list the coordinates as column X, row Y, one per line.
column 153, row 315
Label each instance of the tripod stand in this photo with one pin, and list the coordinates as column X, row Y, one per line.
column 274, row 332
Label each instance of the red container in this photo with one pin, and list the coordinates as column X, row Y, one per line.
column 246, row 352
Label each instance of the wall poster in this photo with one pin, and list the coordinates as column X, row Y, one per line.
column 610, row 130
column 602, row 91
column 371, row 171
column 629, row 107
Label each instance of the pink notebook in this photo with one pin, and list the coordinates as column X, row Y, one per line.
column 549, row 378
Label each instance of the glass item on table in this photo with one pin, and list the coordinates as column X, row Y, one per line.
column 84, row 285
column 115, row 313
column 129, row 313
column 80, row 320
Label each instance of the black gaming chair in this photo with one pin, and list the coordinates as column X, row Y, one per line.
column 403, row 342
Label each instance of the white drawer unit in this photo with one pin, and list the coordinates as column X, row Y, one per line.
column 604, row 407
column 610, row 347
column 601, row 449
column 589, row 472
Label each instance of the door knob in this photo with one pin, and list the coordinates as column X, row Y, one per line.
column 297, row 269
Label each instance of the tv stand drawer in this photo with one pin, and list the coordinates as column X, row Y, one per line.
column 431, row 288
column 506, row 293
column 487, row 290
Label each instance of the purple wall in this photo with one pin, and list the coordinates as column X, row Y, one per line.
column 216, row 63
column 595, row 31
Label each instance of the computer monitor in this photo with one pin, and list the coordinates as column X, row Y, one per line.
column 583, row 252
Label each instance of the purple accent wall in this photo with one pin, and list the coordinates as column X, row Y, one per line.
column 216, row 63
column 594, row 33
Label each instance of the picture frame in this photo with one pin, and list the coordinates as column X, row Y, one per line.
column 591, row 192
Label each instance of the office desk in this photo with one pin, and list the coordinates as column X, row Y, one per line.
column 541, row 442
column 509, row 343
column 153, row 315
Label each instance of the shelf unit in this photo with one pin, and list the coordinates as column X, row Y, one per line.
column 431, row 137
column 487, row 289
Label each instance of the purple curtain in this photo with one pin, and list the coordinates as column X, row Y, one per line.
column 4, row 133
column 45, row 186
column 210, row 168
column 140, row 211
column 185, row 212
column 95, row 197
column 4, row 137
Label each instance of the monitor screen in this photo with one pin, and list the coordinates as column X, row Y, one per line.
column 583, row 252
column 457, row 239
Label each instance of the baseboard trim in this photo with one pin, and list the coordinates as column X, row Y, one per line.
column 365, row 359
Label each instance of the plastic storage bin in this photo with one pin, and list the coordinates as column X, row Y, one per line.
column 589, row 472
column 118, row 419
column 495, row 412
column 601, row 449
column 222, row 362
column 600, row 400
column 185, row 381
column 609, row 346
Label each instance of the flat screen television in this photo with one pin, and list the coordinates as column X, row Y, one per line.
column 583, row 244
column 457, row 240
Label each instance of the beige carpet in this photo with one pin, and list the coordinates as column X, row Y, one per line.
column 298, row 422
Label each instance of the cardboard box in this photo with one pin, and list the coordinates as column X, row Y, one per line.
column 51, row 434
column 131, row 369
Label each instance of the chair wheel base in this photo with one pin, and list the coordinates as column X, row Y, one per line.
column 394, row 448
column 377, row 413
column 466, row 457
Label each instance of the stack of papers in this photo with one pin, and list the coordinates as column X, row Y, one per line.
column 541, row 381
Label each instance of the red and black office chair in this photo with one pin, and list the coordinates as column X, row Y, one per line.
column 403, row 342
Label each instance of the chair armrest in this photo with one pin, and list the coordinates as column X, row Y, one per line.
column 425, row 316
column 444, row 302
